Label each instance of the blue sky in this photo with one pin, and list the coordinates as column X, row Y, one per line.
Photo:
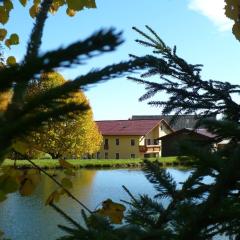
column 198, row 27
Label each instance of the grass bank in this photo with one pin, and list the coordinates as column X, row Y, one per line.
column 93, row 163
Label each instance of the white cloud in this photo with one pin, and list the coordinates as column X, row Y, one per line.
column 214, row 10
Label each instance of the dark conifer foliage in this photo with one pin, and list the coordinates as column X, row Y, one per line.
column 182, row 81
column 196, row 208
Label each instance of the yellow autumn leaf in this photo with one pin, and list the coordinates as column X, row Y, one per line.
column 66, row 183
column 75, row 5
column 63, row 163
column 33, row 11
column 27, row 187
column 34, row 176
column 114, row 211
column 54, row 8
column 3, row 15
column 236, row 30
column 8, row 5
column 79, row 5
column 23, row 2
column 59, row 2
column 8, row 43
column 14, row 39
column 90, row 3
column 3, row 34
column 11, row 61
column 70, row 12
column 231, row 11
column 28, row 181
column 5, row 99
column 54, row 196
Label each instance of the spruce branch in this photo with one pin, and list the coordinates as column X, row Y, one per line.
column 31, row 54
column 182, row 81
column 65, row 216
column 163, row 181
column 100, row 42
column 83, row 82
column 37, row 32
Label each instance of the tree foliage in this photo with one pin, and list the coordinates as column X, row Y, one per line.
column 73, row 135
column 22, row 115
column 232, row 11
column 199, row 210
column 6, row 7
column 196, row 208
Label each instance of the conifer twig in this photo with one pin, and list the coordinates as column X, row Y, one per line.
column 130, row 194
column 66, row 216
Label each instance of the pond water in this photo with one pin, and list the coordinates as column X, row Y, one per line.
column 27, row 218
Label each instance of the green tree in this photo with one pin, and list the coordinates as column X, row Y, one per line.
column 196, row 208
column 72, row 136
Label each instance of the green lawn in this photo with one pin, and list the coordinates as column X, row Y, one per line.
column 90, row 163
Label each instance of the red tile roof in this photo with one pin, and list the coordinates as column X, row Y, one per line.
column 127, row 127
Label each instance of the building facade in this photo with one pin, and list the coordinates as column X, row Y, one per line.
column 124, row 139
column 171, row 143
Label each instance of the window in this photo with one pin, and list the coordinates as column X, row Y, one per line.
column 132, row 155
column 156, row 142
column 132, row 142
column 117, row 155
column 161, row 127
column 117, row 141
column 106, row 155
column 148, row 141
column 105, row 144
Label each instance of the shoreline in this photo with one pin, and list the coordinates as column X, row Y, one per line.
column 96, row 163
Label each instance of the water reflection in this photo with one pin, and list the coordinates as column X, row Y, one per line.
column 26, row 218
